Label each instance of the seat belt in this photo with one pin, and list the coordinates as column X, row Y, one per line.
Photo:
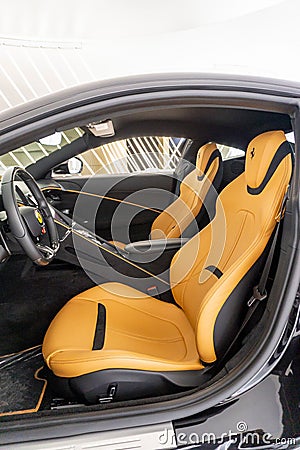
column 259, row 291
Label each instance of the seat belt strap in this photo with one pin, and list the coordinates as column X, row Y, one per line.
column 259, row 291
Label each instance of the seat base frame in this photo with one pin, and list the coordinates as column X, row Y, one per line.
column 109, row 385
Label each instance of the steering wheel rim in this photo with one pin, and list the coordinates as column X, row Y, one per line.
column 39, row 254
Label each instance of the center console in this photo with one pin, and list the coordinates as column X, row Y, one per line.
column 135, row 265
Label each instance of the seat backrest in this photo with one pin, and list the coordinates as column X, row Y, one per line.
column 180, row 214
column 212, row 276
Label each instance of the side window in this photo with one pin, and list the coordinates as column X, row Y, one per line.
column 290, row 137
column 230, row 152
column 135, row 155
column 28, row 154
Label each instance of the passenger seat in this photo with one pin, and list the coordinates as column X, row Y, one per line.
column 198, row 191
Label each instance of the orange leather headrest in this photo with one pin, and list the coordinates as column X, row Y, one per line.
column 264, row 154
column 204, row 157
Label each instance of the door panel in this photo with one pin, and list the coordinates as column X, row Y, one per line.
column 132, row 202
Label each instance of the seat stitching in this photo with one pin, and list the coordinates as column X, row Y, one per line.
column 236, row 241
column 156, row 317
column 95, row 357
column 141, row 311
column 144, row 338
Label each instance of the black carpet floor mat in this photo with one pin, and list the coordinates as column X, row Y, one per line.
column 30, row 298
column 24, row 390
column 22, row 384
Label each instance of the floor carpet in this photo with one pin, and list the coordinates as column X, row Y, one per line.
column 22, row 385
column 30, row 298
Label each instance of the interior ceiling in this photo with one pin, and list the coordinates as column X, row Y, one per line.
column 229, row 126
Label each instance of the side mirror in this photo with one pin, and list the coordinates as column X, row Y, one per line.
column 75, row 165
column 71, row 167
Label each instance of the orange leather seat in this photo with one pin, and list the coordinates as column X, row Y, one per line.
column 150, row 335
column 114, row 333
column 194, row 188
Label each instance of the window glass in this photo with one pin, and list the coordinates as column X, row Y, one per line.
column 290, row 137
column 139, row 154
column 230, row 152
column 28, row 154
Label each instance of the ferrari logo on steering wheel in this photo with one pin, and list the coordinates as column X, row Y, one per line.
column 39, row 217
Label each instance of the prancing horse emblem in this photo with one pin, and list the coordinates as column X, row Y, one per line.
column 252, row 153
column 39, row 217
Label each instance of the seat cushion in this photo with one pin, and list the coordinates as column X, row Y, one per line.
column 140, row 333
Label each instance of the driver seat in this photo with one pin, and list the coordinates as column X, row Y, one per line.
column 197, row 193
column 113, row 342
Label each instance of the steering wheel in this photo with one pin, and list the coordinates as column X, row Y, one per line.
column 31, row 222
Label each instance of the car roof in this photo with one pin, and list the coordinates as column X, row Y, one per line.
column 95, row 91
column 202, row 123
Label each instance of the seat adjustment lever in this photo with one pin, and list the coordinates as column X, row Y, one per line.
column 111, row 392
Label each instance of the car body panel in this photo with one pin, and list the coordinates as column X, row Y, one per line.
column 220, row 407
column 268, row 413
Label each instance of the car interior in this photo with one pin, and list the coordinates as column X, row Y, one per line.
column 130, row 288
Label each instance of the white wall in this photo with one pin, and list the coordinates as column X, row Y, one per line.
column 47, row 46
